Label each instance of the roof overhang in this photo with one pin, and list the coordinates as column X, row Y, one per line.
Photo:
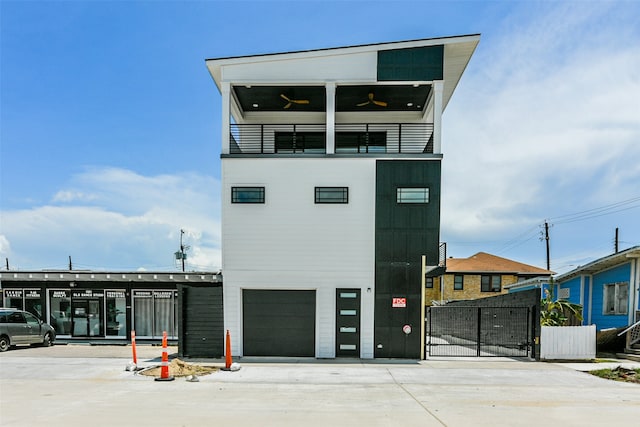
column 266, row 83
column 601, row 264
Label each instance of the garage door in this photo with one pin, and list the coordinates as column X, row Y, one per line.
column 279, row 323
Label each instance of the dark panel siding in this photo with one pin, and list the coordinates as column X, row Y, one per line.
column 404, row 232
column 279, row 323
column 420, row 63
column 201, row 321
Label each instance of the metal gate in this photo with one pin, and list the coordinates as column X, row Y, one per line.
column 478, row 331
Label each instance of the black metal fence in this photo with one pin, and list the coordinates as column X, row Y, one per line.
column 479, row 331
column 350, row 138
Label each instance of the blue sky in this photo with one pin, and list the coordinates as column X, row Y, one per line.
column 110, row 123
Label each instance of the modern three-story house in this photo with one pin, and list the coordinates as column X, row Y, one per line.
column 331, row 181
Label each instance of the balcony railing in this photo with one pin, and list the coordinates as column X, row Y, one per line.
column 372, row 138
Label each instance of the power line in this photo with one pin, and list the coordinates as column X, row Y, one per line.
column 597, row 212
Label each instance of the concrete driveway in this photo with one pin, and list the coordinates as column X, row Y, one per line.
column 87, row 385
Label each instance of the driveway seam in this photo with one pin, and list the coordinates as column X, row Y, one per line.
column 415, row 398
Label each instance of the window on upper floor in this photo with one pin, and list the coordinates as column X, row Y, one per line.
column 458, row 282
column 361, row 142
column 332, row 195
column 616, row 298
column 412, row 195
column 300, row 142
column 247, row 194
column 491, row 283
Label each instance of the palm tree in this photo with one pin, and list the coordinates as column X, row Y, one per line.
column 558, row 312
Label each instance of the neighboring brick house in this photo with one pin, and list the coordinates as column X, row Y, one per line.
column 479, row 276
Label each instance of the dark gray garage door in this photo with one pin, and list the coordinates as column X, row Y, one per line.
column 279, row 323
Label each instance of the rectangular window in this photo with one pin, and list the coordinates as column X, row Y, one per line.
column 616, row 298
column 428, row 282
column 412, row 195
column 491, row 283
column 332, row 194
column 458, row 282
column 247, row 194
column 361, row 142
column 300, row 142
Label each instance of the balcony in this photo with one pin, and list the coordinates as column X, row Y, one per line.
column 307, row 139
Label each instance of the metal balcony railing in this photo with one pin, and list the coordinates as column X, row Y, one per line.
column 378, row 138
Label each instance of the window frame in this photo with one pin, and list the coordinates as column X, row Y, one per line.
column 408, row 191
column 616, row 299
column 458, row 286
column 300, row 142
column 318, row 192
column 428, row 282
column 490, row 284
column 236, row 199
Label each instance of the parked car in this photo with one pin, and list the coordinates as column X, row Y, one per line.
column 21, row 327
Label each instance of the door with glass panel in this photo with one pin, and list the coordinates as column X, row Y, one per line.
column 347, row 322
column 87, row 313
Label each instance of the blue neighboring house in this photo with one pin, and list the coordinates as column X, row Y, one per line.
column 607, row 288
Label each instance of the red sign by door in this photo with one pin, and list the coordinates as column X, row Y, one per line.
column 399, row 303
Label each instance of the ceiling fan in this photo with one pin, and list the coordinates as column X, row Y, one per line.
column 292, row 101
column 372, row 101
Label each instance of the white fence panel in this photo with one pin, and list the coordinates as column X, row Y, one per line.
column 568, row 342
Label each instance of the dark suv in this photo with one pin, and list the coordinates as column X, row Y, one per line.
column 21, row 327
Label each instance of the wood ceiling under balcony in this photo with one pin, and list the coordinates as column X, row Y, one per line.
column 356, row 98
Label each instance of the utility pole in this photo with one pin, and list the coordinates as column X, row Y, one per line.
column 182, row 254
column 615, row 246
column 546, row 238
column 70, row 264
column 182, row 248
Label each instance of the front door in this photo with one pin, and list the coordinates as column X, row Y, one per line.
column 347, row 322
column 87, row 312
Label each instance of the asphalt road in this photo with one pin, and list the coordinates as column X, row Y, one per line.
column 77, row 385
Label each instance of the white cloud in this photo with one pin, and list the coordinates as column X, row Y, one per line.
column 130, row 222
column 72, row 196
column 545, row 122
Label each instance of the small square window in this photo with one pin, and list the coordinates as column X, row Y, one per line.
column 412, row 195
column 247, row 194
column 428, row 282
column 332, row 194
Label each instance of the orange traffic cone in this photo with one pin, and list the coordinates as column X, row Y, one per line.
column 227, row 364
column 133, row 347
column 164, row 367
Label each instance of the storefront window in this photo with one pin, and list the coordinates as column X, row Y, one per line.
column 13, row 299
column 116, row 314
column 154, row 312
column 143, row 313
column 60, row 311
column 163, row 302
column 33, row 303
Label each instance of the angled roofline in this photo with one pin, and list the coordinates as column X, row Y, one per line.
column 390, row 44
column 534, row 281
column 601, row 264
column 512, row 270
